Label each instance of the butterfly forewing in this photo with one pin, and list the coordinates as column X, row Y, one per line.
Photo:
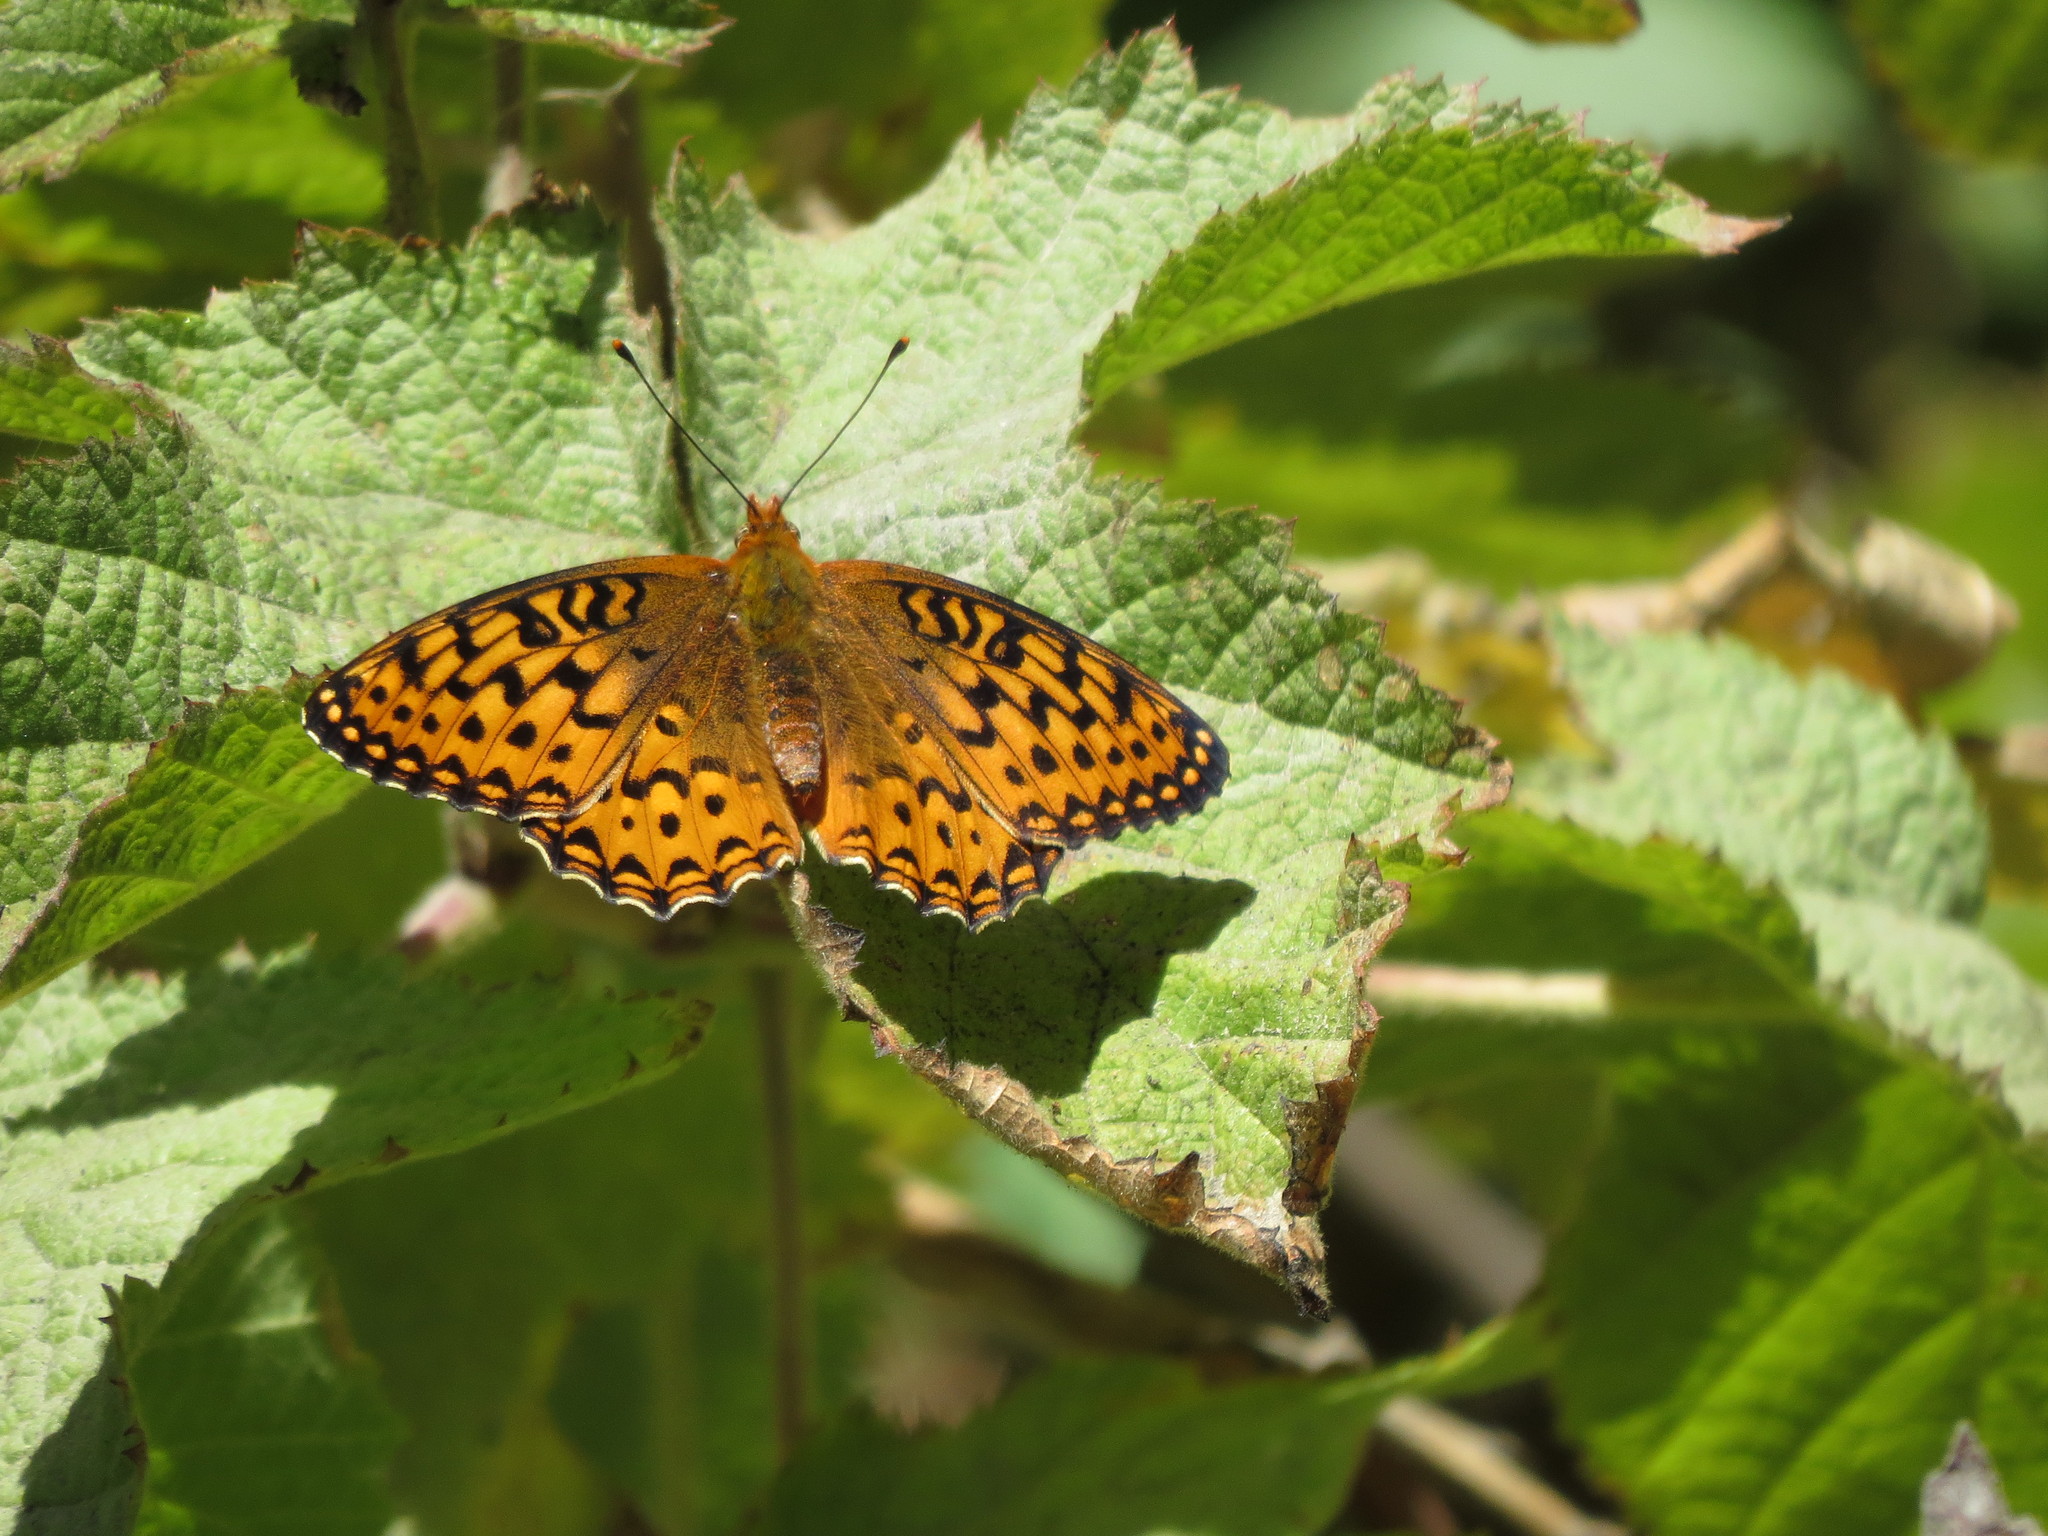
column 1064, row 740
column 697, row 810
column 521, row 701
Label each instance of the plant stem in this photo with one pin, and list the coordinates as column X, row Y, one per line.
column 626, row 188
column 623, row 190
column 785, row 1207
column 1466, row 1455
column 410, row 208
column 510, row 174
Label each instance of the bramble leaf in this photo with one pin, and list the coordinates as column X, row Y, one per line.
column 1560, row 21
column 1869, row 828
column 390, row 430
column 1436, row 186
column 43, row 394
column 257, row 1413
column 599, row 1282
column 233, row 781
column 652, row 31
column 142, row 1112
column 1180, row 1025
column 1800, row 1263
column 70, row 73
column 1972, row 73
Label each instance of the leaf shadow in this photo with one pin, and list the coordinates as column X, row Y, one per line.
column 86, row 1474
column 415, row 1061
column 1037, row 994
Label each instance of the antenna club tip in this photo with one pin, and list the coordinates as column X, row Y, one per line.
column 622, row 349
column 902, row 346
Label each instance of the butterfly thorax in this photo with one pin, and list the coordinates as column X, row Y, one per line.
column 775, row 584
column 776, row 592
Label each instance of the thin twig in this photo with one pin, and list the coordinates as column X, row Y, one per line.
column 785, row 1207
column 1464, row 1454
column 625, row 193
column 409, row 209
column 627, row 188
column 1487, row 1249
column 511, row 175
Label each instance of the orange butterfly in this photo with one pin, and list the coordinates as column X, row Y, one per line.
column 663, row 727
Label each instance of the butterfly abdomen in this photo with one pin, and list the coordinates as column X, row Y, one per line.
column 795, row 717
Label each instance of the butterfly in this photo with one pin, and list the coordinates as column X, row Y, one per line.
column 665, row 728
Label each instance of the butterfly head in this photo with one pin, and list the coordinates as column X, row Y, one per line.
column 765, row 512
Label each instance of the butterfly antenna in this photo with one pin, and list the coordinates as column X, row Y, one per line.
column 902, row 346
column 633, row 363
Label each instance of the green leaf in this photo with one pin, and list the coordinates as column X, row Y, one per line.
column 900, row 79
column 1466, row 502
column 1205, row 1084
column 1972, row 73
column 248, row 136
column 391, row 430
column 600, row 1282
column 1800, row 1263
column 1112, row 1447
column 652, row 31
column 71, row 72
column 258, row 1414
column 1870, row 829
column 43, row 395
column 1816, row 783
column 1098, row 1448
column 141, row 1111
column 230, row 783
column 1561, row 21
column 1436, row 187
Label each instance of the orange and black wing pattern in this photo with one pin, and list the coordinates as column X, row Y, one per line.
column 521, row 701
column 697, row 810
column 897, row 802
column 1051, row 737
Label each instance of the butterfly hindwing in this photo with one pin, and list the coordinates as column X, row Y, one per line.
column 520, row 701
column 1062, row 738
column 897, row 802
column 697, row 810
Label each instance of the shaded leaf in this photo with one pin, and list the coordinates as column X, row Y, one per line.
column 43, row 395
column 1111, row 1447
column 258, row 1414
column 601, row 1283
column 140, row 1111
column 72, row 73
column 1799, row 1263
column 1438, row 186
column 233, row 781
column 895, row 83
column 653, row 31
column 1972, row 73
column 248, row 136
column 1561, row 21
column 1095, row 1449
